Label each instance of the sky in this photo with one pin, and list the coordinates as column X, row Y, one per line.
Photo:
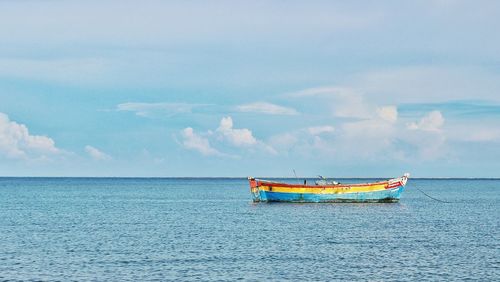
column 240, row 88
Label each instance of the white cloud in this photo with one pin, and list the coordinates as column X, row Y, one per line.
column 433, row 121
column 388, row 113
column 368, row 133
column 237, row 137
column 96, row 154
column 17, row 143
column 150, row 109
column 193, row 141
column 266, row 108
column 379, row 136
column 376, row 133
column 383, row 137
column 225, row 134
column 317, row 130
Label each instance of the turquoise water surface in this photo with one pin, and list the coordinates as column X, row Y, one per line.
column 208, row 229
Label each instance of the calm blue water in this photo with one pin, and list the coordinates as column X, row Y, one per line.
column 208, row 229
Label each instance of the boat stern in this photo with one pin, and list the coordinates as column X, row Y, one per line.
column 254, row 189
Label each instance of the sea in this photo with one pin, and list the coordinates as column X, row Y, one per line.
column 208, row 229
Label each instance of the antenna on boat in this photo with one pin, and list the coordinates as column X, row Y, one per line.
column 295, row 175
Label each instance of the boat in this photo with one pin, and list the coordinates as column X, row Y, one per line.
column 388, row 191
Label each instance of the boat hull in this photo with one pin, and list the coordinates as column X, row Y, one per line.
column 386, row 196
column 388, row 191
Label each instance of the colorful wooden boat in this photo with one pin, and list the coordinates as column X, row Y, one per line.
column 324, row 191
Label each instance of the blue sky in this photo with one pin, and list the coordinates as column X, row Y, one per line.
column 228, row 88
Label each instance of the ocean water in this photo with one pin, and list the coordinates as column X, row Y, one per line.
column 208, row 229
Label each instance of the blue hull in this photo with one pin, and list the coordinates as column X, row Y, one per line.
column 390, row 195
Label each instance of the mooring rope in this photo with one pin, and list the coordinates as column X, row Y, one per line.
column 435, row 199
